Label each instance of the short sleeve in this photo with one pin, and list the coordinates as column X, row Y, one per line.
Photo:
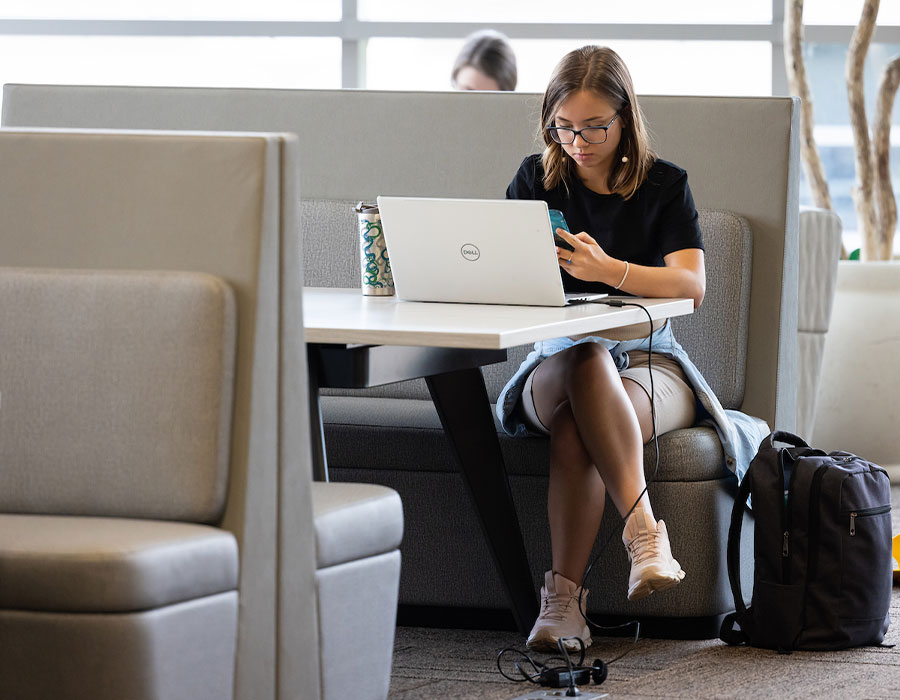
column 523, row 182
column 679, row 227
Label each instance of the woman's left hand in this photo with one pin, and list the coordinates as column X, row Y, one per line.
column 588, row 261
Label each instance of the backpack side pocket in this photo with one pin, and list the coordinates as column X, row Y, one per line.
column 778, row 614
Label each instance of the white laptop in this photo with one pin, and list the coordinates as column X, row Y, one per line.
column 476, row 251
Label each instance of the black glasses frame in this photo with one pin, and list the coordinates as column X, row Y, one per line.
column 556, row 136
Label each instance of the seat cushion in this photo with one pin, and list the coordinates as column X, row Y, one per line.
column 364, row 432
column 354, row 521
column 79, row 564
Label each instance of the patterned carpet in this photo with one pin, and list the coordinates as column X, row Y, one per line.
column 460, row 664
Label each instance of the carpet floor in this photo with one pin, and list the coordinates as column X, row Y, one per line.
column 461, row 664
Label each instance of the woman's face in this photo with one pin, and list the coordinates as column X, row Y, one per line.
column 470, row 78
column 586, row 108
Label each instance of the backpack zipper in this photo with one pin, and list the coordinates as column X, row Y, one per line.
column 786, row 521
column 866, row 513
column 815, row 493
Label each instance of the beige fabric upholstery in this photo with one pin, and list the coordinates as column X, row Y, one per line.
column 176, row 651
column 354, row 521
column 358, row 531
column 123, row 380
column 110, row 567
column 357, row 608
column 741, row 155
column 209, row 203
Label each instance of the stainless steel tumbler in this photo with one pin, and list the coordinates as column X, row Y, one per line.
column 375, row 266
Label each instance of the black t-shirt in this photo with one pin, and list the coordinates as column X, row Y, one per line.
column 658, row 219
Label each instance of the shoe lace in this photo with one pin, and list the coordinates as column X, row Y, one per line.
column 645, row 545
column 556, row 606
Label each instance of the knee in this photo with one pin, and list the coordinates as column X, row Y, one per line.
column 589, row 360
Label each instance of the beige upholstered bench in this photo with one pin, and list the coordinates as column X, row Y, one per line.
column 160, row 534
column 741, row 155
column 114, row 439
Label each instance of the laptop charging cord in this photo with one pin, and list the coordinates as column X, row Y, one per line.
column 571, row 675
column 618, row 303
column 568, row 676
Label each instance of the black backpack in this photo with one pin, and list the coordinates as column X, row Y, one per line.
column 822, row 550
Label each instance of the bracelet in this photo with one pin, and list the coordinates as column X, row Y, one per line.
column 619, row 285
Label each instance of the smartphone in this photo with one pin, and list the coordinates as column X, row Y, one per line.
column 557, row 220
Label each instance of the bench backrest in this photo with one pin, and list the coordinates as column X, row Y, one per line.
column 119, row 393
column 741, row 155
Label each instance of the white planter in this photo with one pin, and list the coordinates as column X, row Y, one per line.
column 859, row 390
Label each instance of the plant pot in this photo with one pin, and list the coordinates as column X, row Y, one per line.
column 859, row 390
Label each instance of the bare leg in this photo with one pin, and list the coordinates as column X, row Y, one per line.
column 598, row 420
column 575, row 497
column 598, row 425
column 612, row 419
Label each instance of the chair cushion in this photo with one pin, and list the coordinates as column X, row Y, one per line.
column 354, row 521
column 119, row 379
column 79, row 564
column 393, row 434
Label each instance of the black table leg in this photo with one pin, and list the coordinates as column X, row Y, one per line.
column 464, row 408
column 317, row 428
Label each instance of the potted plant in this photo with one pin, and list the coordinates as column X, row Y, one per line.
column 858, row 404
column 820, row 233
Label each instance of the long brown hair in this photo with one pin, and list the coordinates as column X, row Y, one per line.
column 602, row 71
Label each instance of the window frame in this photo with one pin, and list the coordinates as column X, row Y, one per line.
column 354, row 33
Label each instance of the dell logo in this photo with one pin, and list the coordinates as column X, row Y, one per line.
column 470, row 252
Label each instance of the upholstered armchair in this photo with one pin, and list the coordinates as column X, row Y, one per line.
column 820, row 249
column 160, row 534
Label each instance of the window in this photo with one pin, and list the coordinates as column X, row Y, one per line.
column 173, row 9
column 284, row 62
column 574, row 11
column 847, row 12
column 700, row 47
column 657, row 67
column 834, row 138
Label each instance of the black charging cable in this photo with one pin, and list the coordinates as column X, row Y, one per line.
column 618, row 303
column 570, row 675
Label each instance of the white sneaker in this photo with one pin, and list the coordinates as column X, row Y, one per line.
column 559, row 615
column 652, row 566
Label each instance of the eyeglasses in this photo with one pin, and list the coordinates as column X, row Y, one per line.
column 591, row 134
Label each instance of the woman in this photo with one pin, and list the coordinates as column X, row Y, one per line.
column 637, row 234
column 485, row 62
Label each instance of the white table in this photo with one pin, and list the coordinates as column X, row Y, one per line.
column 357, row 341
column 346, row 316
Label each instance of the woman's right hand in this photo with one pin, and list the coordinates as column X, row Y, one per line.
column 587, row 260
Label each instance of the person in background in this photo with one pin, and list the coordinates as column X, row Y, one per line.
column 485, row 62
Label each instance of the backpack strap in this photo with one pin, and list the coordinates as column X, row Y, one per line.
column 727, row 633
column 783, row 436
